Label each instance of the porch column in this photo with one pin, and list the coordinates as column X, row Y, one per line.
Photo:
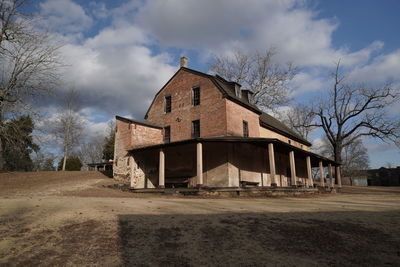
column 309, row 174
column 338, row 176
column 199, row 164
column 331, row 174
column 95, row 168
column 161, row 170
column 321, row 174
column 271, row 157
column 292, row 168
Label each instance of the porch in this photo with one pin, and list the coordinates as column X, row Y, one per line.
column 230, row 162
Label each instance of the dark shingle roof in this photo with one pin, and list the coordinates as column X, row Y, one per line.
column 270, row 122
column 144, row 123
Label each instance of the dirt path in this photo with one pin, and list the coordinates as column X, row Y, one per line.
column 70, row 219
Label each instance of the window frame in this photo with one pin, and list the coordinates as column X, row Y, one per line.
column 194, row 98
column 194, row 123
column 167, row 139
column 245, row 128
column 166, row 111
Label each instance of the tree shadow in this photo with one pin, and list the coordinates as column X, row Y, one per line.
column 261, row 239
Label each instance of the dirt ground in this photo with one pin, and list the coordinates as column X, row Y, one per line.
column 71, row 218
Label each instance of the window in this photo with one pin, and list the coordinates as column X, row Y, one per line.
column 167, row 106
column 245, row 129
column 196, row 96
column 167, row 134
column 195, row 128
column 290, row 142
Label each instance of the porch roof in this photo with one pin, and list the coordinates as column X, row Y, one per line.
column 237, row 139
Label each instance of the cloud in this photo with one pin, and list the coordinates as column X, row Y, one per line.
column 115, row 72
column 304, row 82
column 217, row 28
column 64, row 16
column 385, row 67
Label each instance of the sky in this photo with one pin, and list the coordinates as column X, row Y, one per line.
column 119, row 53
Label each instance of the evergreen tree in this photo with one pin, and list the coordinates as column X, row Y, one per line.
column 108, row 148
column 73, row 163
column 18, row 148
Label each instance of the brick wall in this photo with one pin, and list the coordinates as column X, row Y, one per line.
column 127, row 136
column 235, row 116
column 210, row 112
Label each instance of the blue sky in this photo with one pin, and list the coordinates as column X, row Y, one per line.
column 124, row 51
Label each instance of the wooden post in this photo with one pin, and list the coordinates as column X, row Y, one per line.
column 321, row 174
column 331, row 174
column 199, row 164
column 161, row 170
column 271, row 156
column 292, row 168
column 338, row 176
column 309, row 174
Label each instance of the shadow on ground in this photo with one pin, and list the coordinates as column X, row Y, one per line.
column 272, row 239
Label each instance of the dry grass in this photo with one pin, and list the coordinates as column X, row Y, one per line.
column 69, row 219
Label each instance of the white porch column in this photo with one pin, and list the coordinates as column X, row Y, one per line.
column 271, row 157
column 161, row 170
column 309, row 174
column 292, row 168
column 331, row 174
column 321, row 174
column 199, row 149
column 338, row 176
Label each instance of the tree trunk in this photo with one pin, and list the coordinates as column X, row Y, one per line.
column 65, row 158
column 1, row 156
column 337, row 150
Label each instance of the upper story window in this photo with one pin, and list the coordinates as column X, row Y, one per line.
column 167, row 104
column 245, row 129
column 195, row 128
column 290, row 142
column 167, row 134
column 196, row 96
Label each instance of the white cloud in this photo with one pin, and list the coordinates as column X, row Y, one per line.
column 306, row 82
column 383, row 68
column 65, row 16
column 117, row 75
column 218, row 27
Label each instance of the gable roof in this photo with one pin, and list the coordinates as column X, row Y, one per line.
column 225, row 87
column 270, row 122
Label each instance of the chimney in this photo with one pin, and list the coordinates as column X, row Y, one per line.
column 184, row 62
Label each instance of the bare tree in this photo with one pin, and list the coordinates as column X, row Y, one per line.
column 352, row 111
column 259, row 73
column 92, row 151
column 29, row 62
column 69, row 125
column 296, row 117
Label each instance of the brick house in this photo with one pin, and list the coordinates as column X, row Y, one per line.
column 202, row 130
